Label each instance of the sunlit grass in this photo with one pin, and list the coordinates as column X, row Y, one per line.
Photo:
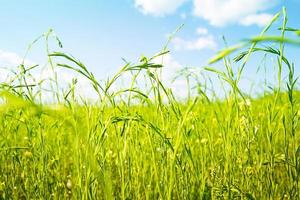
column 141, row 142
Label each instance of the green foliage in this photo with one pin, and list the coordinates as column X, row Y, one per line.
column 143, row 143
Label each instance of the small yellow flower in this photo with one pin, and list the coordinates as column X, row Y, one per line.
column 27, row 154
column 243, row 120
column 219, row 141
column 204, row 141
column 245, row 103
column 2, row 185
column 256, row 129
column 22, row 175
column 69, row 184
column 248, row 102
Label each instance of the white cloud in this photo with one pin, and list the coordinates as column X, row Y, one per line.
column 170, row 66
column 83, row 88
column 201, row 31
column 256, row 19
column 158, row 7
column 170, row 69
column 9, row 61
column 216, row 12
column 202, row 42
column 4, row 74
column 206, row 42
column 224, row 12
column 12, row 59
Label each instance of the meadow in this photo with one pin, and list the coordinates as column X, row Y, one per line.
column 142, row 142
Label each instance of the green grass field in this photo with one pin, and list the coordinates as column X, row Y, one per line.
column 144, row 143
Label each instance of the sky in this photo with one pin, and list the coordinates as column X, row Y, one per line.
column 100, row 33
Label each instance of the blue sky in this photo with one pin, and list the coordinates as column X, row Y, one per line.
column 100, row 33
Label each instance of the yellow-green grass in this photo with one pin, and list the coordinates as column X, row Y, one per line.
column 142, row 143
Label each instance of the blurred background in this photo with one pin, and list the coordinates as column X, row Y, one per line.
column 103, row 33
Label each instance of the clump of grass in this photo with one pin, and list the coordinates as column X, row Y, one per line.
column 141, row 142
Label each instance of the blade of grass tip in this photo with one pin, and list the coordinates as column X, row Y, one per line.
column 231, row 49
column 288, row 29
column 30, row 46
column 54, row 86
column 73, row 68
column 82, row 70
column 70, row 58
column 110, row 82
column 144, row 66
column 30, row 68
column 285, row 19
column 215, row 71
column 159, row 54
column 277, row 39
column 276, row 16
column 132, row 90
column 171, row 36
column 225, row 52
